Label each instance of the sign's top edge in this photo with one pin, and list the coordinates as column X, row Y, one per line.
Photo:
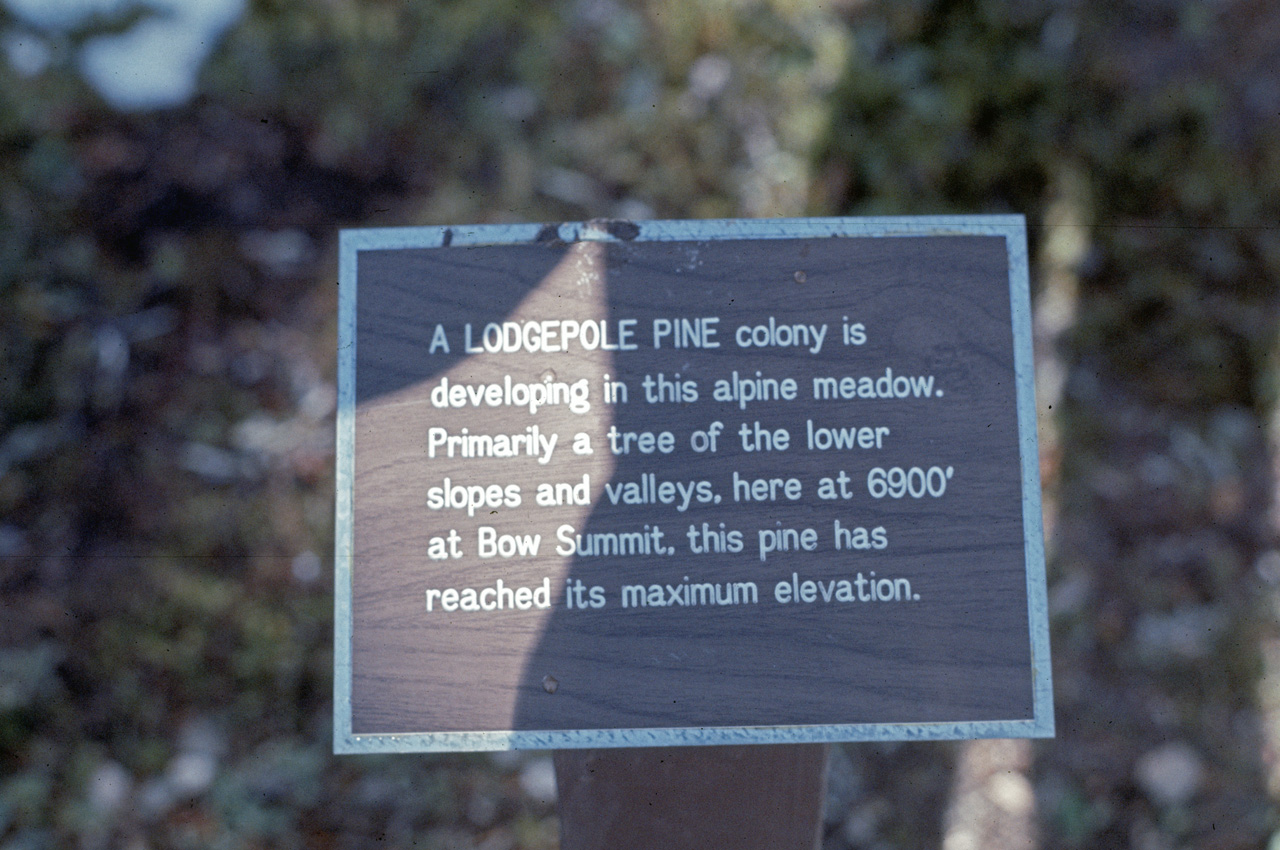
column 622, row 230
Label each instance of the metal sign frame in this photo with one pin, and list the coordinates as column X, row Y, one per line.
column 1010, row 227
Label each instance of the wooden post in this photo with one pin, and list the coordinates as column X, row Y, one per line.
column 759, row 797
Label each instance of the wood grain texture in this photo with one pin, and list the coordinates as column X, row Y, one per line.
column 931, row 306
column 692, row 798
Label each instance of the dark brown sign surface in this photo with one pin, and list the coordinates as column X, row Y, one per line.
column 646, row 490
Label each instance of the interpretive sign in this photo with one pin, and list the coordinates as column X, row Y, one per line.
column 659, row 483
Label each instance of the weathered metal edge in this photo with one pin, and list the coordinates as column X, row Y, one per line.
column 616, row 230
column 685, row 737
column 1028, row 446
column 344, row 476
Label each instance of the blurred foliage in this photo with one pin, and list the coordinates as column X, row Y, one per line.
column 948, row 108
column 167, row 332
column 165, row 408
column 1151, row 120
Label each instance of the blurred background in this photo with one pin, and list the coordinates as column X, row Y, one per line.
column 173, row 174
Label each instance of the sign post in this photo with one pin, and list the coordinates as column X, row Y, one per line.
column 753, row 797
column 664, row 484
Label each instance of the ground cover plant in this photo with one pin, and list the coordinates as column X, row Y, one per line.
column 167, row 299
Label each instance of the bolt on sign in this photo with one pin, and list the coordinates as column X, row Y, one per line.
column 669, row 483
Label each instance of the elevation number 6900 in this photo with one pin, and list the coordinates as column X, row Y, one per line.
column 914, row 482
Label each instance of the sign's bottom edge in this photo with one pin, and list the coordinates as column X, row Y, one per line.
column 686, row 736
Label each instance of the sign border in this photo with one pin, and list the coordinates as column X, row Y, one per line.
column 1011, row 227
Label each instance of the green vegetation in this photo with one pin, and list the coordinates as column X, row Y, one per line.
column 166, row 347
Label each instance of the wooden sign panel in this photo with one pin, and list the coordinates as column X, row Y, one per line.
column 618, row 484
